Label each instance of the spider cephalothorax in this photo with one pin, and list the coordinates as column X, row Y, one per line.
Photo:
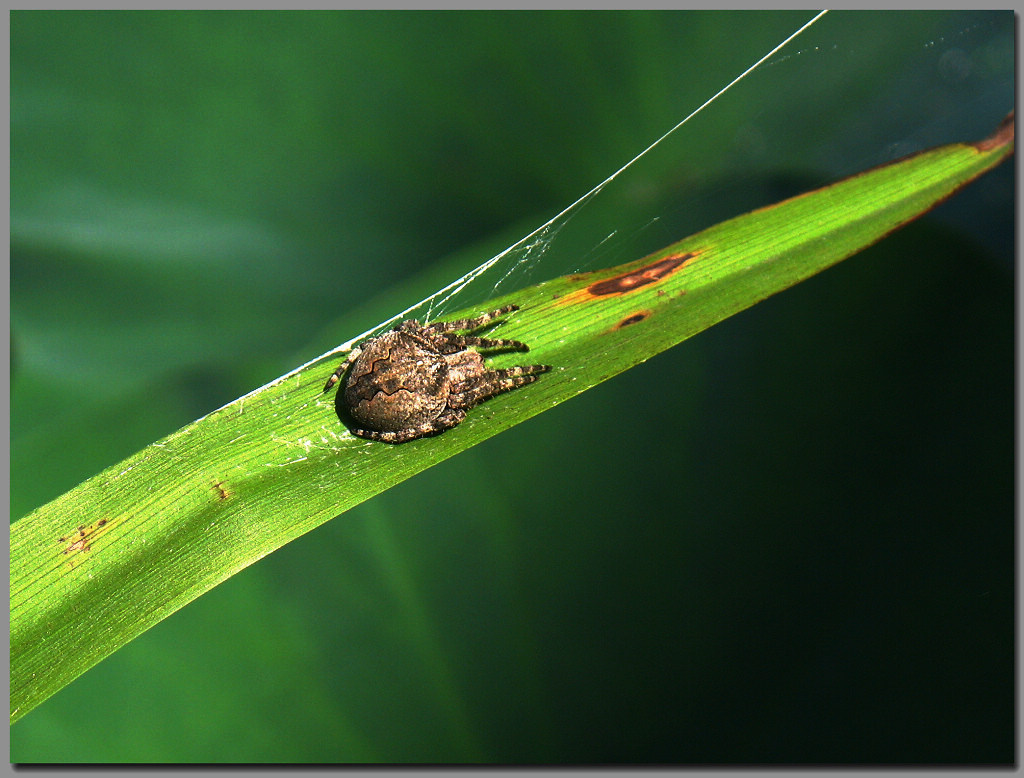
column 420, row 379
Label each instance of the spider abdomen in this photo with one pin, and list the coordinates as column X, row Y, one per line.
column 397, row 383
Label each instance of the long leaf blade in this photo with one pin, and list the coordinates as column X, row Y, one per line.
column 102, row 563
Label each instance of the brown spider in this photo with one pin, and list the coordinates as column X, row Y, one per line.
column 420, row 379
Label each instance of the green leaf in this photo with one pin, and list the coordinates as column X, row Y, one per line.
column 107, row 560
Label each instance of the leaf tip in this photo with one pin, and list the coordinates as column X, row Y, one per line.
column 1003, row 136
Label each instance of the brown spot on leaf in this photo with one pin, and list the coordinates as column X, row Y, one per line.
column 1003, row 136
column 81, row 539
column 648, row 274
column 221, row 489
column 634, row 318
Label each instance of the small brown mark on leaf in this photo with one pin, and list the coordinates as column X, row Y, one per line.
column 82, row 538
column 222, row 492
column 81, row 527
column 633, row 318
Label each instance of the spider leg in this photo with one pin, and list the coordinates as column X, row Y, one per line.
column 470, row 324
column 452, row 343
column 450, row 418
column 337, row 374
column 495, row 382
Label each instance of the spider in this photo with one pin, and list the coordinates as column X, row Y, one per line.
column 420, row 379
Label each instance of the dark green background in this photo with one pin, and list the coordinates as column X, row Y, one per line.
column 787, row 540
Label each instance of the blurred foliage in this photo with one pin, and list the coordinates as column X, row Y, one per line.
column 789, row 539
